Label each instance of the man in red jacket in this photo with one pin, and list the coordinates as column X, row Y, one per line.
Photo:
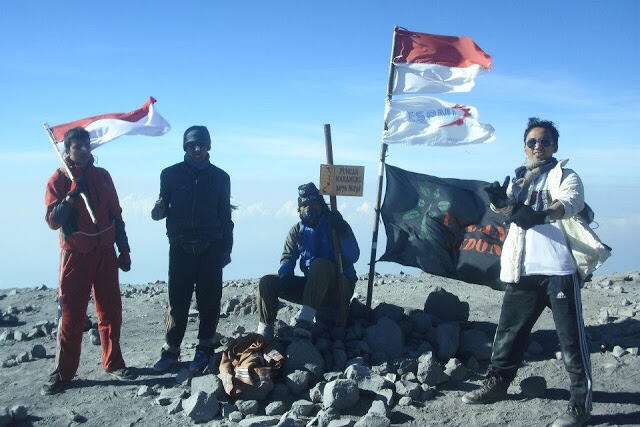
column 88, row 259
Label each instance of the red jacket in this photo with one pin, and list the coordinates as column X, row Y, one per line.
column 78, row 232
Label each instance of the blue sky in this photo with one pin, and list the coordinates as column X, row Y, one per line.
column 265, row 76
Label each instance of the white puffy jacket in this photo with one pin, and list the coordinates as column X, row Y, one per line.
column 588, row 251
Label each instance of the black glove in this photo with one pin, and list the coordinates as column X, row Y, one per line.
column 77, row 186
column 338, row 223
column 526, row 217
column 498, row 194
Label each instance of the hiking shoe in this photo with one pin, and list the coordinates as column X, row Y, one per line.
column 54, row 384
column 493, row 389
column 122, row 373
column 302, row 329
column 200, row 359
column 167, row 360
column 575, row 415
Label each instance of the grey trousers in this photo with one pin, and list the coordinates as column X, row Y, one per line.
column 321, row 288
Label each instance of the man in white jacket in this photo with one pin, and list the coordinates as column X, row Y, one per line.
column 542, row 267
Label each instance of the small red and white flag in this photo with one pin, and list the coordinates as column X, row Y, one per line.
column 106, row 127
column 423, row 120
column 430, row 63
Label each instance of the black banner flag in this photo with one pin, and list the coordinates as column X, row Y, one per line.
column 443, row 226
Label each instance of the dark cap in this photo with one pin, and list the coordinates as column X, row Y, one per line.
column 308, row 193
column 196, row 134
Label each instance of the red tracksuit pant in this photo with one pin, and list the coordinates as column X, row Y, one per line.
column 79, row 273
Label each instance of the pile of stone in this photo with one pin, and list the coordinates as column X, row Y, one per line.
column 240, row 305
column 15, row 414
column 393, row 358
column 37, row 352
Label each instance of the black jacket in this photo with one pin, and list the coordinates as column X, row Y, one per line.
column 197, row 205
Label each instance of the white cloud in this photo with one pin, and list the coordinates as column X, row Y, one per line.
column 629, row 221
column 365, row 208
column 289, row 209
column 134, row 205
column 254, row 209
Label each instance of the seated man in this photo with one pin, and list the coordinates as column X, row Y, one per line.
column 322, row 285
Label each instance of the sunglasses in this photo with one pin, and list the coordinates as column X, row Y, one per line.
column 544, row 142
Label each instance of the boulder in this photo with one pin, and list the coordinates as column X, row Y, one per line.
column 372, row 419
column 429, row 370
column 340, row 394
column 209, row 384
column 446, row 306
column 298, row 381
column 248, row 407
column 474, row 342
column 201, row 407
column 386, row 336
column 302, row 354
column 447, row 340
column 455, row 370
column 263, row 420
column 275, row 408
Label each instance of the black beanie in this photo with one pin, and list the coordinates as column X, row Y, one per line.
column 196, row 134
column 308, row 193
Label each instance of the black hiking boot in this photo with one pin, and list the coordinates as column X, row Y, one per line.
column 54, row 384
column 493, row 389
column 574, row 416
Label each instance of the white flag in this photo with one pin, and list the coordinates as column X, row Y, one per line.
column 423, row 120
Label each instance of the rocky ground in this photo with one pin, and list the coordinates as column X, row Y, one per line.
column 426, row 344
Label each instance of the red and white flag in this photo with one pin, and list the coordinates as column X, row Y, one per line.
column 430, row 63
column 106, row 127
column 422, row 120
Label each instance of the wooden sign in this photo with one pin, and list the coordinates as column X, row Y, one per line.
column 341, row 180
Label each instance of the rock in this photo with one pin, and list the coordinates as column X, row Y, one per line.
column 201, row 407
column 173, row 393
column 275, row 408
column 339, row 358
column 408, row 388
column 248, row 407
column 174, row 407
column 558, row 355
column 298, row 381
column 447, row 340
column 9, row 363
column 144, row 390
column 303, row 407
column 429, row 370
column 391, row 311
column 289, row 419
column 374, row 383
column 633, row 351
column 446, row 306
column 302, row 354
column 605, row 317
column 259, row 421
column 24, row 357
column 456, row 370
column 474, row 342
column 378, row 407
column 618, row 351
column 406, row 366
column 19, row 336
column 357, row 372
column 95, row 337
column 35, row 333
column 280, row 392
column 341, row 422
column 236, row 416
column 19, row 413
column 76, row 418
column 38, row 351
column 422, row 321
column 427, row 393
column 533, row 387
column 7, row 335
column 209, row 384
column 315, row 394
column 372, row 419
column 405, row 401
column 230, row 304
column 325, row 416
column 625, row 302
column 385, row 396
column 386, row 336
column 340, row 394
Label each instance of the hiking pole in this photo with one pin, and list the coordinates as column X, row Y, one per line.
column 334, row 235
column 66, row 168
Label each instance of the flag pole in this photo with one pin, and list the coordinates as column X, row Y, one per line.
column 66, row 168
column 337, row 251
column 383, row 154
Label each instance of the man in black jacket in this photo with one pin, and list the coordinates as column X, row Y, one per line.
column 195, row 200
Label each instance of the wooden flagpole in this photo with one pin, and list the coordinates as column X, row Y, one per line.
column 383, row 154
column 66, row 168
column 334, row 235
